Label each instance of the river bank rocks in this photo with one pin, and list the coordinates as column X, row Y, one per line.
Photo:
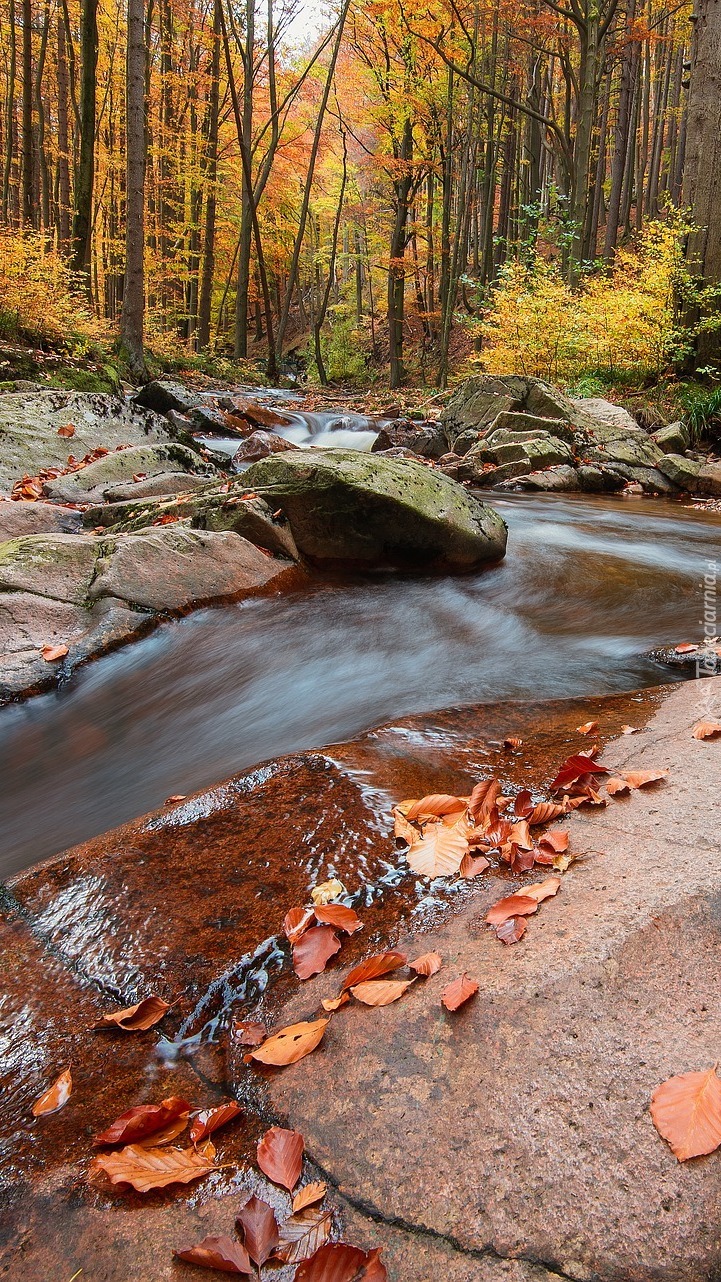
column 349, row 508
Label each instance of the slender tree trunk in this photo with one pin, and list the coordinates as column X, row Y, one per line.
column 247, row 195
column 396, row 271
column 9, row 117
column 131, row 328
column 322, row 310
column 618, row 162
column 63, row 196
column 702, row 178
column 85, row 175
column 28, row 203
column 211, row 178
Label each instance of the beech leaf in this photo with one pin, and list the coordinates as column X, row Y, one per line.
column 152, row 1168
column 327, row 892
column 438, row 804
column 707, row 730
column 52, row 652
column 309, row 1195
column 218, row 1253
column 511, row 930
column 296, row 922
column 427, row 964
column 439, row 853
column 280, row 1156
column 403, row 830
column 458, row 992
column 335, row 1003
column 291, row 1043
column 575, row 767
column 374, row 967
column 520, row 905
column 249, row 1032
column 302, row 1235
column 686, row 1111
column 380, row 992
column 589, row 727
column 616, row 785
column 211, row 1120
column 472, row 865
column 641, row 778
column 138, row 1018
column 556, row 839
column 143, row 1120
column 314, row 950
column 338, row 1262
column 342, row 918
column 545, row 811
column 482, row 802
column 259, row 1227
column 523, row 804
column 55, row 1097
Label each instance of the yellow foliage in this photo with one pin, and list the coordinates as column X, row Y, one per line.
column 619, row 324
column 40, row 297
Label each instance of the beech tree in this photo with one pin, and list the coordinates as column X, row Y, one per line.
column 702, row 185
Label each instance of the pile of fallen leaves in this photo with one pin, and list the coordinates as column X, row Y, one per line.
column 30, row 488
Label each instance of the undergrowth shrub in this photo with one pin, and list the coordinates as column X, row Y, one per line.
column 41, row 301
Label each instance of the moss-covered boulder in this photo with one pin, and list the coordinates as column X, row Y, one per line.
column 353, row 508
column 119, row 468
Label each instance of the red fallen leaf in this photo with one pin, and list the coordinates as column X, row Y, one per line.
column 249, row 1032
column 380, row 992
column 259, row 1228
column 520, row 834
column 52, row 652
column 211, row 1119
column 292, row 1043
column 520, row 905
column 55, row 1096
column 491, row 838
column 523, row 805
column 220, row 1253
column 545, row 811
column 338, row 1262
column 589, row 727
column 152, row 1168
column 309, row 1195
column 374, row 967
column 296, row 923
column 427, row 964
column 482, row 802
column 139, row 476
column 138, row 1122
column 138, row 1018
column 511, row 742
column 67, row 430
column 520, row 858
column 280, row 1156
column 342, row 918
column 177, row 796
column 575, row 767
column 302, row 1235
column 437, row 803
column 458, row 992
column 556, row 839
column 510, row 931
column 686, row 1111
column 685, row 648
column 707, row 730
column 472, row 866
column 314, row 950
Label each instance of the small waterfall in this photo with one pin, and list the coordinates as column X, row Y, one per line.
column 330, row 429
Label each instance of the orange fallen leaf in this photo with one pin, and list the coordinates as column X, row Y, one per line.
column 511, row 741
column 177, row 796
column 136, row 1123
column 437, row 803
column 309, row 1195
column 138, row 1018
column 472, row 866
column 152, row 1168
column 338, row 1262
column 542, row 889
column 685, row 648
column 52, row 652
column 589, row 727
column 374, row 967
column 211, row 1119
column 707, row 730
column 249, row 1032
column 68, row 430
column 218, row 1253
column 523, row 804
column 629, row 730
column 616, row 785
column 642, row 778
column 55, row 1097
column 335, row 1003
column 280, row 1156
column 303, row 1234
column 520, row 834
column 380, row 992
column 291, row 1044
column 686, row 1111
column 545, row 811
column 403, row 830
column 296, row 923
column 510, row 931
column 458, row 992
column 342, row 918
column 556, row 839
column 313, row 950
column 482, row 802
column 520, row 905
column 427, row 964
column 256, row 1221
column 439, row 852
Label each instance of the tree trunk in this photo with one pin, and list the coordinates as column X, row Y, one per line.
column 702, row 178
column 85, row 175
column 131, row 328
column 63, row 188
column 28, row 203
column 211, row 177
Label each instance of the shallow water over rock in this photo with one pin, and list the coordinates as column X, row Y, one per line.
column 587, row 587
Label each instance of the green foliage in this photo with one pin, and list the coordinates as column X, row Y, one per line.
column 344, row 346
column 702, row 407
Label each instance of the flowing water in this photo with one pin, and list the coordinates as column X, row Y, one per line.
column 587, row 587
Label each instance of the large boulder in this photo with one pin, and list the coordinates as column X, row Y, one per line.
column 682, row 471
column 18, row 518
column 91, row 484
column 163, row 394
column 344, row 506
column 30, row 423
column 673, row 439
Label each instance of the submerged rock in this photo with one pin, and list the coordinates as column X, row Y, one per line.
column 344, row 506
column 259, row 445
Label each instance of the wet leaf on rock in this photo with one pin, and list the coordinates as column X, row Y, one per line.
column 302, row 1235
column 543, row 889
column 314, row 950
column 291, row 1044
column 259, row 1227
column 520, row 905
column 136, row 1123
column 68, row 430
column 510, row 931
column 55, row 1097
column 482, row 802
column 309, row 1195
column 380, row 992
column 458, row 992
column 556, row 839
column 575, row 767
column 52, row 652
column 707, row 730
column 327, row 892
column 136, row 1018
column 296, row 922
column 211, row 1120
column 152, row 1168
column 437, row 804
column 335, row 1003
column 472, row 866
column 280, row 1156
column 545, row 811
column 403, row 830
column 249, row 1032
column 589, row 727
column 686, row 1111
column 342, row 918
column 338, row 1262
column 427, row 964
column 218, row 1253
column 523, row 804
column 439, row 853
column 374, row 967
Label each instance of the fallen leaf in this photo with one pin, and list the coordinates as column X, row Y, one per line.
column 335, row 1003
column 616, row 785
column 520, row 858
column 380, row 992
column 522, row 804
column 482, row 802
column 338, row 1262
column 556, row 838
column 218, row 1253
column 590, row 727
column 133, row 1019
column 342, row 918
column 167, row 1134
column 136, row 1123
column 563, row 862
column 686, row 1111
column 542, row 889
column 152, row 1168
column 302, row 1235
column 641, row 778
column 575, row 767
column 280, row 1156
column 458, row 992
column 520, row 834
column 211, row 1120
column 67, row 430
column 52, row 652
column 296, row 922
column 439, row 852
column 309, row 1195
column 427, row 964
column 629, row 730
column 520, row 905
column 374, row 967
column 177, row 796
column 510, row 931
column 55, row 1096
column 259, row 1227
column 707, row 730
column 291, row 1043
column 437, row 804
column 472, row 866
column 545, row 811
column 249, row 1032
column 402, row 829
column 511, row 742
column 314, row 950
column 685, row 648
column 327, row 892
